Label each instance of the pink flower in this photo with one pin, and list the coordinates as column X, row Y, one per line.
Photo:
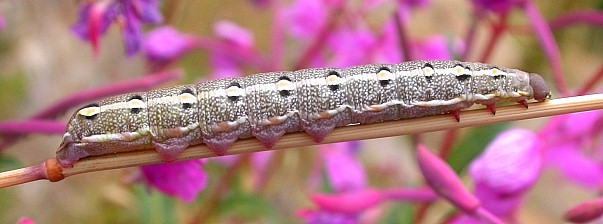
column 181, row 179
column 346, row 43
column 2, row 23
column 95, row 18
column 437, row 47
column 165, row 45
column 237, row 39
column 343, row 169
column 25, row 220
column 442, row 179
column 585, row 212
column 306, row 17
column 571, row 149
column 496, row 6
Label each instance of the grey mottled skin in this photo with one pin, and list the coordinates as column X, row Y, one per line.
column 219, row 112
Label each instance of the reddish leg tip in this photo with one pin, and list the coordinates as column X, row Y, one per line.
column 457, row 115
column 523, row 103
column 491, row 108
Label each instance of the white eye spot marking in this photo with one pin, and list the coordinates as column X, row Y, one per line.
column 90, row 112
column 495, row 71
column 284, row 84
column 334, row 80
column 234, row 91
column 459, row 70
column 428, row 70
column 187, row 98
column 135, row 104
column 384, row 74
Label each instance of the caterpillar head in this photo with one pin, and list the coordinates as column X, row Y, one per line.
column 112, row 123
column 539, row 87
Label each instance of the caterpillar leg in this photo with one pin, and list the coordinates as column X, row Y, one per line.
column 170, row 149
column 492, row 108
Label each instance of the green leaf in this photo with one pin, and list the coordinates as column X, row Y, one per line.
column 246, row 206
column 154, row 207
column 9, row 163
column 472, row 145
column 402, row 213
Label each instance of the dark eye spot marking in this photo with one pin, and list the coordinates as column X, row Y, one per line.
column 384, row 83
column 428, row 78
column 428, row 71
column 187, row 90
column 89, row 112
column 133, row 101
column 185, row 98
column 384, row 75
column 284, row 86
column 499, row 76
column 135, row 97
column 463, row 77
column 333, row 80
column 233, row 91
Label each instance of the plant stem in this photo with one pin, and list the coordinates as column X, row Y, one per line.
column 470, row 118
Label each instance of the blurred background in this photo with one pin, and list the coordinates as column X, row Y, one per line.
column 42, row 61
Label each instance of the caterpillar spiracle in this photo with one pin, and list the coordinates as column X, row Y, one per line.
column 268, row 105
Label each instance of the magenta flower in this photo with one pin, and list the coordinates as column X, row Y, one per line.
column 437, row 47
column 2, row 23
column 181, row 179
column 343, row 169
column 236, row 39
column 95, row 18
column 506, row 170
column 585, row 212
column 442, row 179
column 346, row 43
column 25, row 220
column 572, row 150
column 496, row 6
column 305, row 18
column 165, row 45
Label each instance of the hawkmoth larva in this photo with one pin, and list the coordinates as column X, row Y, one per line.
column 266, row 106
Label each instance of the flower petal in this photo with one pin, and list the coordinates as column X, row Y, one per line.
column 343, row 169
column 443, row 180
column 182, row 179
column 511, row 163
column 574, row 165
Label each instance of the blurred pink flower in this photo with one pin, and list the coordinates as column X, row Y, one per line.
column 95, row 18
column 442, row 179
column 346, row 43
column 325, row 217
column 25, row 220
column 238, row 39
column 344, row 171
column 181, row 179
column 496, row 6
column 2, row 23
column 437, row 47
column 571, row 148
column 165, row 45
column 506, row 170
column 305, row 18
column 585, row 212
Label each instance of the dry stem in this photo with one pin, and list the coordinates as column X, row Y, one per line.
column 359, row 132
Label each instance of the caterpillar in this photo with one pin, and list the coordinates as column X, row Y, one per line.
column 268, row 105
